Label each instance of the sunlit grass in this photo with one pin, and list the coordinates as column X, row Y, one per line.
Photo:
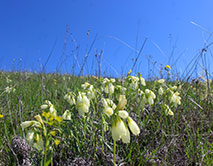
column 105, row 120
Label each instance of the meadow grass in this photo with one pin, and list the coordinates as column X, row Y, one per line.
column 182, row 139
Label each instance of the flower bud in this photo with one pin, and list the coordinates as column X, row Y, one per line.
column 122, row 102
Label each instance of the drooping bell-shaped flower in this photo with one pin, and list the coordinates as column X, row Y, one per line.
column 123, row 114
column 126, row 138
column 118, row 129
column 122, row 102
column 133, row 126
column 83, row 103
column 67, row 115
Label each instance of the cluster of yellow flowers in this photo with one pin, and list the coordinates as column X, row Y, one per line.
column 113, row 95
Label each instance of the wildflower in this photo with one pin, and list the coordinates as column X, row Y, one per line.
column 30, row 136
column 39, row 119
column 160, row 81
column 133, row 126
column 83, row 103
column 9, row 89
column 108, row 110
column 109, row 106
column 70, row 98
column 130, row 71
column 173, row 88
column 95, row 77
column 160, row 91
column 118, row 129
column 53, row 133
column 30, row 123
column 53, row 110
column 44, row 106
column 38, row 144
column 168, row 110
column 150, row 96
column 141, row 98
column 175, row 98
column 67, row 115
column 167, row 67
column 1, row 116
column 142, row 80
column 8, row 80
column 126, row 138
column 122, row 102
column 85, row 85
column 121, row 89
column 123, row 114
column 109, row 88
column 58, row 119
column 57, row 142
column 133, row 82
column 89, row 90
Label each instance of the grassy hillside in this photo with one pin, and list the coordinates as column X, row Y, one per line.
column 175, row 124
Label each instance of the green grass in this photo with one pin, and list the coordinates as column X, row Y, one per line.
column 183, row 139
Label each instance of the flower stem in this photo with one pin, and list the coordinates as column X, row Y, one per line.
column 114, row 152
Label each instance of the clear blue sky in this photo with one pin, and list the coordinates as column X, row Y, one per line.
column 30, row 29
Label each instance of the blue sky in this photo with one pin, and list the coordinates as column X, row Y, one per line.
column 31, row 30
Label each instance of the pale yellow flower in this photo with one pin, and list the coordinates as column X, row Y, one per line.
column 143, row 82
column 168, row 110
column 70, row 98
column 126, row 138
column 30, row 136
column 160, row 91
column 175, row 98
column 160, row 81
column 30, row 123
column 118, row 129
column 123, row 114
column 133, row 126
column 39, row 119
column 130, row 71
column 67, row 115
column 122, row 102
column 83, row 103
column 109, row 111
column 44, row 106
